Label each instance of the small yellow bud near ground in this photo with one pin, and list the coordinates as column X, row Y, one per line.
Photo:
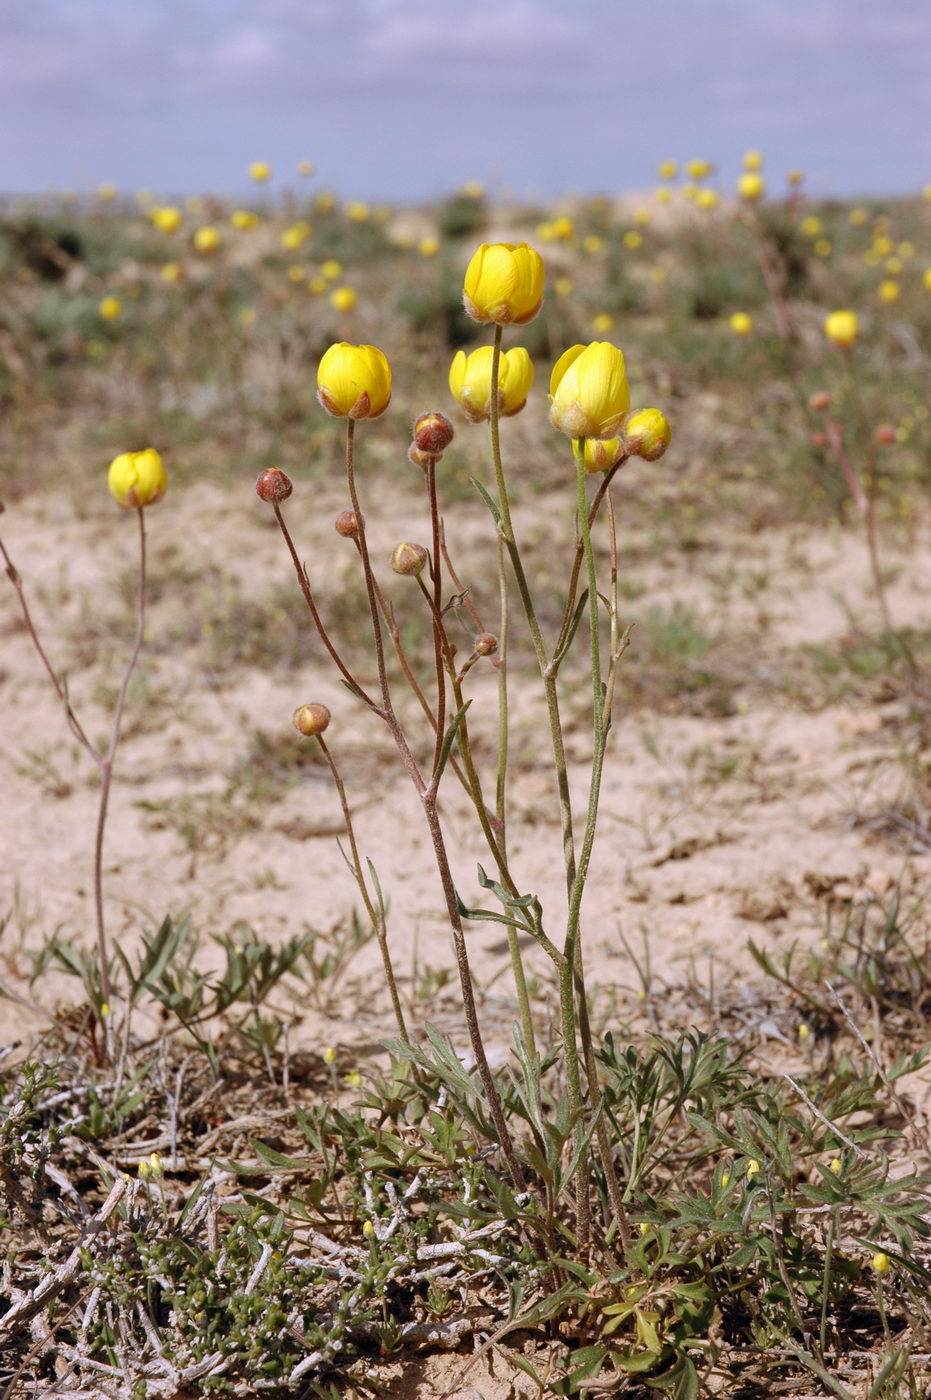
column 504, row 284
column 354, row 1079
column 906, row 250
column 110, row 308
column 858, row 217
column 137, row 478
column 295, row 236
column 470, row 381
column 296, row 273
column 325, row 201
column 317, row 285
column 106, row 191
column 368, row 1229
column 751, row 186
column 835, row 1165
column 329, row 1054
column 822, row 247
column 589, row 391
column 658, row 274
column 602, row 323
column 795, row 177
column 842, row 327
column 354, row 381
column 260, row 171
column 753, row 1167
column 143, row 1169
column 662, row 195
column 592, row 243
column 707, row 199
column 105, row 1010
column 310, row 720
column 880, row 1263
column 725, row 1178
column 647, row 434
column 699, row 169
column 740, row 323
column 804, row 1032
column 156, row 1168
column 883, row 245
column 207, row 239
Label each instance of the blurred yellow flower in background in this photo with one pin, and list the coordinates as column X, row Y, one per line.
column 343, row 298
column 842, row 327
column 207, row 239
column 110, row 308
column 740, row 323
column 260, row 171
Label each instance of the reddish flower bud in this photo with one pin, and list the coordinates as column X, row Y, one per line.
column 485, row 644
column 819, row 439
column 419, row 459
column 273, row 486
column 347, row 524
column 311, row 719
column 884, row 434
column 409, row 559
column 433, row 433
column 820, row 401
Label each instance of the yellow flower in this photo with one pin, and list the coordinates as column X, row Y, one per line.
column 354, row 381
column 753, row 160
column 642, row 216
column 293, row 237
column 699, row 169
column 428, row 247
column 741, row 323
column 880, row 1263
column 602, row 454
column 647, row 434
column 137, row 478
column 325, row 201
column 167, row 218
column 753, row 1167
column 563, row 285
column 107, row 190
column 632, row 239
column 602, row 322
column 889, row 291
column 368, row 1229
column 470, row 381
column 305, row 167
column 589, row 391
column 835, row 1165
column 244, row 219
column 658, row 273
column 592, row 243
column 504, row 284
column 357, row 211
column 795, row 177
column 207, row 239
column 926, row 278
column 662, row 195
column 110, row 308
column 329, row 1054
column 295, row 273
column 343, row 298
column 894, row 266
column 707, row 199
column 668, row 170
column 751, row 186
column 317, row 285
column 689, row 190
column 474, row 189
column 332, row 269
column 822, row 247
column 858, row 217
column 883, row 245
column 260, row 171
column 906, row 250
column 171, row 272
column 811, row 226
column 842, row 327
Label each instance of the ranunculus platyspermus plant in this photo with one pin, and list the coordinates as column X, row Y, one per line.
column 590, row 404
column 136, row 480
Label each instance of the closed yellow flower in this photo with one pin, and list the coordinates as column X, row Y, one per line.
column 167, row 218
column 589, row 391
column 741, row 323
column 842, row 327
column 470, row 381
column 343, row 298
column 600, row 455
column 109, row 308
column 260, row 171
column 354, row 381
column 137, row 478
column 751, row 186
column 504, row 284
column 647, row 434
column 207, row 239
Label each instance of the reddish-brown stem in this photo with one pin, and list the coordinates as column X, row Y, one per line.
column 461, row 592
column 436, row 567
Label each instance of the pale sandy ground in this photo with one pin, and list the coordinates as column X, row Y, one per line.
column 715, row 830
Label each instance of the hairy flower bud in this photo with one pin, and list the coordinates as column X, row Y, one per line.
column 419, row 459
column 311, row 719
column 347, row 524
column 485, row 644
column 409, row 559
column 589, row 391
column 273, row 486
column 433, row 433
column 647, row 434
column 470, row 381
column 600, row 454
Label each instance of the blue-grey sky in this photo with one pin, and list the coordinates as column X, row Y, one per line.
column 405, row 99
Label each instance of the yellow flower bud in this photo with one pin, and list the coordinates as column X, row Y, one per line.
column 707, row 199
column 880, row 1263
column 137, row 478
column 632, row 239
column 592, row 243
column 602, row 323
column 354, row 1079
column 811, row 226
column 155, row 1165
column 753, row 160
column 563, row 286
column 504, row 284
column 835, row 1165
column 889, row 291
column 600, row 454
column 167, row 218
column 354, row 381
column 107, row 190
column 172, row 272
column 329, row 1055
column 740, row 323
column 642, row 216
column 751, row 186
column 143, row 1169
column 795, row 177
column 725, row 1178
column 662, row 195
column 343, row 298
column 293, row 237
column 207, row 239
column 260, row 171
column 753, row 1167
column 357, row 211
column 589, row 391
column 332, row 269
column 926, row 278
column 368, row 1229
column 244, row 219
column 647, row 434
column 822, row 247
column 310, row 720
column 858, row 217
column 470, row 381
column 110, row 308
column 428, row 247
column 317, row 285
column 842, row 327
column 668, row 170
column 296, row 273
